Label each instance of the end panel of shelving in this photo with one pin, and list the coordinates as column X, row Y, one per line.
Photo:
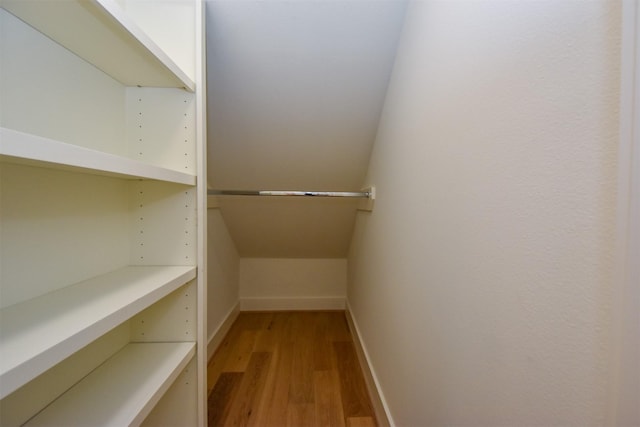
column 23, row 148
column 171, row 319
column 164, row 224
column 122, row 391
column 39, row 333
column 160, row 127
column 108, row 39
column 178, row 406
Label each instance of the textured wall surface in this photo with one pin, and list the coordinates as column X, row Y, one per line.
column 481, row 282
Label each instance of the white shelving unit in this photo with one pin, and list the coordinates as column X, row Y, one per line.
column 102, row 196
column 40, row 332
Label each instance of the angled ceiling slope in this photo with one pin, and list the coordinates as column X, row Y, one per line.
column 295, row 91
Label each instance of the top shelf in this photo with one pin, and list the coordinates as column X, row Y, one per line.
column 101, row 33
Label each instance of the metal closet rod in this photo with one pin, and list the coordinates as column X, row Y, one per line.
column 355, row 194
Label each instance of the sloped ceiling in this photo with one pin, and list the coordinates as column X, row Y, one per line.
column 295, row 90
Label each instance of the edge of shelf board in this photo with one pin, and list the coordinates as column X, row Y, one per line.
column 24, row 148
column 125, row 51
column 134, row 379
column 39, row 333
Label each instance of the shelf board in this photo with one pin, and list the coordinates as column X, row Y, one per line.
column 24, row 148
column 123, row 390
column 38, row 333
column 101, row 33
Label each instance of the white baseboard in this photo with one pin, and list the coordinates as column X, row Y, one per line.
column 281, row 304
column 380, row 408
column 218, row 335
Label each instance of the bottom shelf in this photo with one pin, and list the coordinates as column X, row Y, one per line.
column 123, row 390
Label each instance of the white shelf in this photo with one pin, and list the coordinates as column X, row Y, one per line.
column 101, row 33
column 20, row 147
column 40, row 332
column 122, row 391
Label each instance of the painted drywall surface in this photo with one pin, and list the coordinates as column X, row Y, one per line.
column 222, row 272
column 625, row 390
column 278, row 283
column 282, row 227
column 481, row 282
column 626, row 411
column 295, row 90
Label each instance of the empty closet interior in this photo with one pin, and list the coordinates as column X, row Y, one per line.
column 485, row 264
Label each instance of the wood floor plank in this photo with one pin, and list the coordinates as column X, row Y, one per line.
column 273, row 406
column 355, row 398
column 288, row 368
column 221, row 397
column 361, row 422
column 301, row 385
column 339, row 328
column 322, row 348
column 247, row 399
column 328, row 402
column 240, row 353
column 215, row 366
column 256, row 320
column 214, row 369
column 294, row 330
column 301, row 414
column 271, row 334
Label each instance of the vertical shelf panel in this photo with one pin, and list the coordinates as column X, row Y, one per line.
column 171, row 319
column 178, row 406
column 161, row 128
column 163, row 222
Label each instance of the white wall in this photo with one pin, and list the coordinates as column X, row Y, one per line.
column 223, row 266
column 625, row 390
column 295, row 91
column 292, row 284
column 482, row 281
column 290, row 227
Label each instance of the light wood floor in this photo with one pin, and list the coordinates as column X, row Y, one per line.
column 288, row 369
